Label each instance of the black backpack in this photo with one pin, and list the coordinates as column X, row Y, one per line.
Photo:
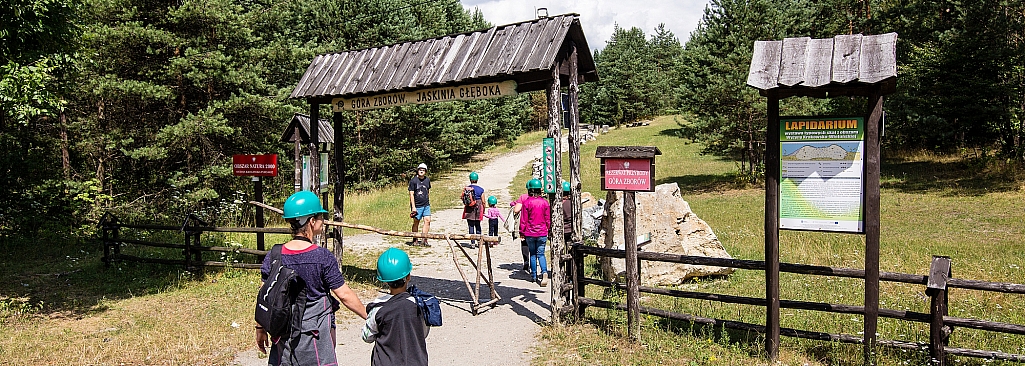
column 467, row 197
column 428, row 306
column 282, row 298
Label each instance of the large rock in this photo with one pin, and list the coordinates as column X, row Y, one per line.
column 675, row 229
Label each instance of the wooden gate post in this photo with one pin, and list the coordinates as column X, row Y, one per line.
column 633, row 279
column 314, row 149
column 936, row 288
column 574, row 146
column 579, row 287
column 258, row 193
column 557, row 269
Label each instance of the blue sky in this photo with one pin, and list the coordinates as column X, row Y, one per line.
column 598, row 17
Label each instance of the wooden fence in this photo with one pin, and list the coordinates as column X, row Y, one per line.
column 192, row 250
column 941, row 325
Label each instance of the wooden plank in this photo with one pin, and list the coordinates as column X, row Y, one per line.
column 476, row 56
column 1007, row 288
column 514, row 48
column 459, row 60
column 939, row 272
column 819, row 62
column 546, row 40
column 346, row 72
column 414, row 56
column 993, row 355
column 385, row 68
column 984, row 325
column 304, row 81
column 326, row 74
column 373, row 77
column 365, row 63
column 772, row 164
column 492, row 55
column 846, row 58
column 529, row 45
column 764, row 71
column 792, row 61
column 455, row 51
column 551, row 55
column 393, row 74
column 433, row 62
column 878, row 58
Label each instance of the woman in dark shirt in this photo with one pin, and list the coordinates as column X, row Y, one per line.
column 318, row 267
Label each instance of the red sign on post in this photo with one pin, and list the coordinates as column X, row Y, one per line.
column 255, row 165
column 624, row 174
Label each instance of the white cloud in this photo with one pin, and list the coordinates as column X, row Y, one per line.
column 598, row 17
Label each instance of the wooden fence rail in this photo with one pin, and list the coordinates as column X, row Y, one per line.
column 941, row 325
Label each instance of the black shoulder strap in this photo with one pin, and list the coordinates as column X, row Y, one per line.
column 275, row 253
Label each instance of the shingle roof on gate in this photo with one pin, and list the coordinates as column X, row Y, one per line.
column 525, row 52
column 812, row 66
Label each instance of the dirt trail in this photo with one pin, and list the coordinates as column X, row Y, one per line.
column 502, row 335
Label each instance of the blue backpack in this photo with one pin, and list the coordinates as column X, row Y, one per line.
column 428, row 306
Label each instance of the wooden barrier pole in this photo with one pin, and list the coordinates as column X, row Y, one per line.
column 633, row 296
column 936, row 288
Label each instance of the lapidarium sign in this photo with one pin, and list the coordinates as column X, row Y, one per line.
column 452, row 93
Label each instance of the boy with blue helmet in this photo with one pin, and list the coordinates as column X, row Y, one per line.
column 394, row 324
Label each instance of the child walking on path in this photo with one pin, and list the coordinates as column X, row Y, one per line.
column 493, row 214
column 535, row 219
column 393, row 321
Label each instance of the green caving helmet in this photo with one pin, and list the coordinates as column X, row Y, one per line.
column 566, row 187
column 492, row 200
column 393, row 265
column 473, row 176
column 302, row 203
column 534, row 184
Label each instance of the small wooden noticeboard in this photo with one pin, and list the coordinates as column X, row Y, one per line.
column 255, row 165
column 627, row 168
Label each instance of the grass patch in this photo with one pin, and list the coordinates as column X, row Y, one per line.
column 930, row 205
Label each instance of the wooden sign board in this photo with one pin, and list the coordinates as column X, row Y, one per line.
column 255, row 165
column 627, row 168
column 423, row 96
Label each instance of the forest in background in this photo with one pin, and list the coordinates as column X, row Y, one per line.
column 136, row 107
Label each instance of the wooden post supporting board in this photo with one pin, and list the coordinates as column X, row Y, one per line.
column 574, row 147
column 772, row 228
column 871, row 191
column 633, row 294
column 314, row 148
column 339, row 209
column 258, row 193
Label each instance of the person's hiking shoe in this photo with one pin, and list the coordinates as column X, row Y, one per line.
column 544, row 280
column 423, row 243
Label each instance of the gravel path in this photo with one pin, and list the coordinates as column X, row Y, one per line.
column 499, row 335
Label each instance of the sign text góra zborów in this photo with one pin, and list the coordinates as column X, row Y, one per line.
column 446, row 94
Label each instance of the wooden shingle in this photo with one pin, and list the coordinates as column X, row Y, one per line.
column 842, row 65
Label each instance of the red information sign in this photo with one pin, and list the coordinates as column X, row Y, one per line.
column 255, row 165
column 623, row 174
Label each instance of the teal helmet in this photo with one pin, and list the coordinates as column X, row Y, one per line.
column 534, row 184
column 393, row 265
column 492, row 200
column 566, row 187
column 473, row 176
column 302, row 203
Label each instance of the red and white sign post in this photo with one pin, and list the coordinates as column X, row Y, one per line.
column 629, row 169
column 256, row 166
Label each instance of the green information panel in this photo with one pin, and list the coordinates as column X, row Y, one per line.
column 548, row 176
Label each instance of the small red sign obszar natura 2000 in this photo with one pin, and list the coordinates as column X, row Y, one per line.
column 255, row 165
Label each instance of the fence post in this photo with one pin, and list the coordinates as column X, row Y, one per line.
column 188, row 243
column 936, row 288
column 579, row 289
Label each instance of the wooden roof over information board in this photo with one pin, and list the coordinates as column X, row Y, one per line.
column 325, row 133
column 842, row 65
column 524, row 52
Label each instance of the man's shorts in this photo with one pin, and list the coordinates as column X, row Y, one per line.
column 423, row 211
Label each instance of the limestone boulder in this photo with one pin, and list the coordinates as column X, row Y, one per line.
column 674, row 229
